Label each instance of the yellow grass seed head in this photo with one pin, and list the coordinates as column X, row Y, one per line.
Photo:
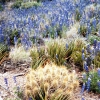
column 35, row 91
column 55, row 83
column 28, row 93
column 46, row 87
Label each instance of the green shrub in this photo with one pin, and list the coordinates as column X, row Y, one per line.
column 76, row 56
column 30, row 4
column 17, row 4
column 94, row 81
column 38, row 57
column 58, row 52
column 92, row 38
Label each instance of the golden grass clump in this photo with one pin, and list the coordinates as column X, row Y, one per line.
column 50, row 83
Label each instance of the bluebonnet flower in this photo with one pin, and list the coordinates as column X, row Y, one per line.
column 83, row 56
column 14, row 78
column 83, row 88
column 30, row 98
column 85, row 64
column 6, row 82
column 67, row 46
column 88, row 83
column 98, row 45
column 95, row 43
column 96, row 51
column 98, row 72
column 83, row 50
column 82, row 98
column 88, row 48
column 15, row 40
column 56, row 56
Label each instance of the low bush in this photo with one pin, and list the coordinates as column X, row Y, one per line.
column 94, row 84
column 92, row 38
column 76, row 56
column 59, row 51
column 19, row 54
column 52, row 82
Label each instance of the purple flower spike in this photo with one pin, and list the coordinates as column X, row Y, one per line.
column 82, row 50
column 98, row 45
column 56, row 56
column 83, row 88
column 88, row 48
column 6, row 82
column 85, row 66
column 95, row 43
column 30, row 98
column 66, row 46
column 82, row 98
column 88, row 84
column 98, row 71
column 14, row 78
column 83, row 56
column 15, row 40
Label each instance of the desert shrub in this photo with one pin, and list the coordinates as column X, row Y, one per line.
column 38, row 57
column 17, row 4
column 30, row 4
column 19, row 54
column 58, row 52
column 76, row 56
column 3, row 50
column 21, row 4
column 52, row 82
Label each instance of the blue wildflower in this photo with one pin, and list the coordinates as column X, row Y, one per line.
column 98, row 72
column 6, row 82
column 67, row 46
column 83, row 56
column 14, row 78
column 88, row 84
column 83, row 88
column 83, row 50
column 56, row 56
column 95, row 43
